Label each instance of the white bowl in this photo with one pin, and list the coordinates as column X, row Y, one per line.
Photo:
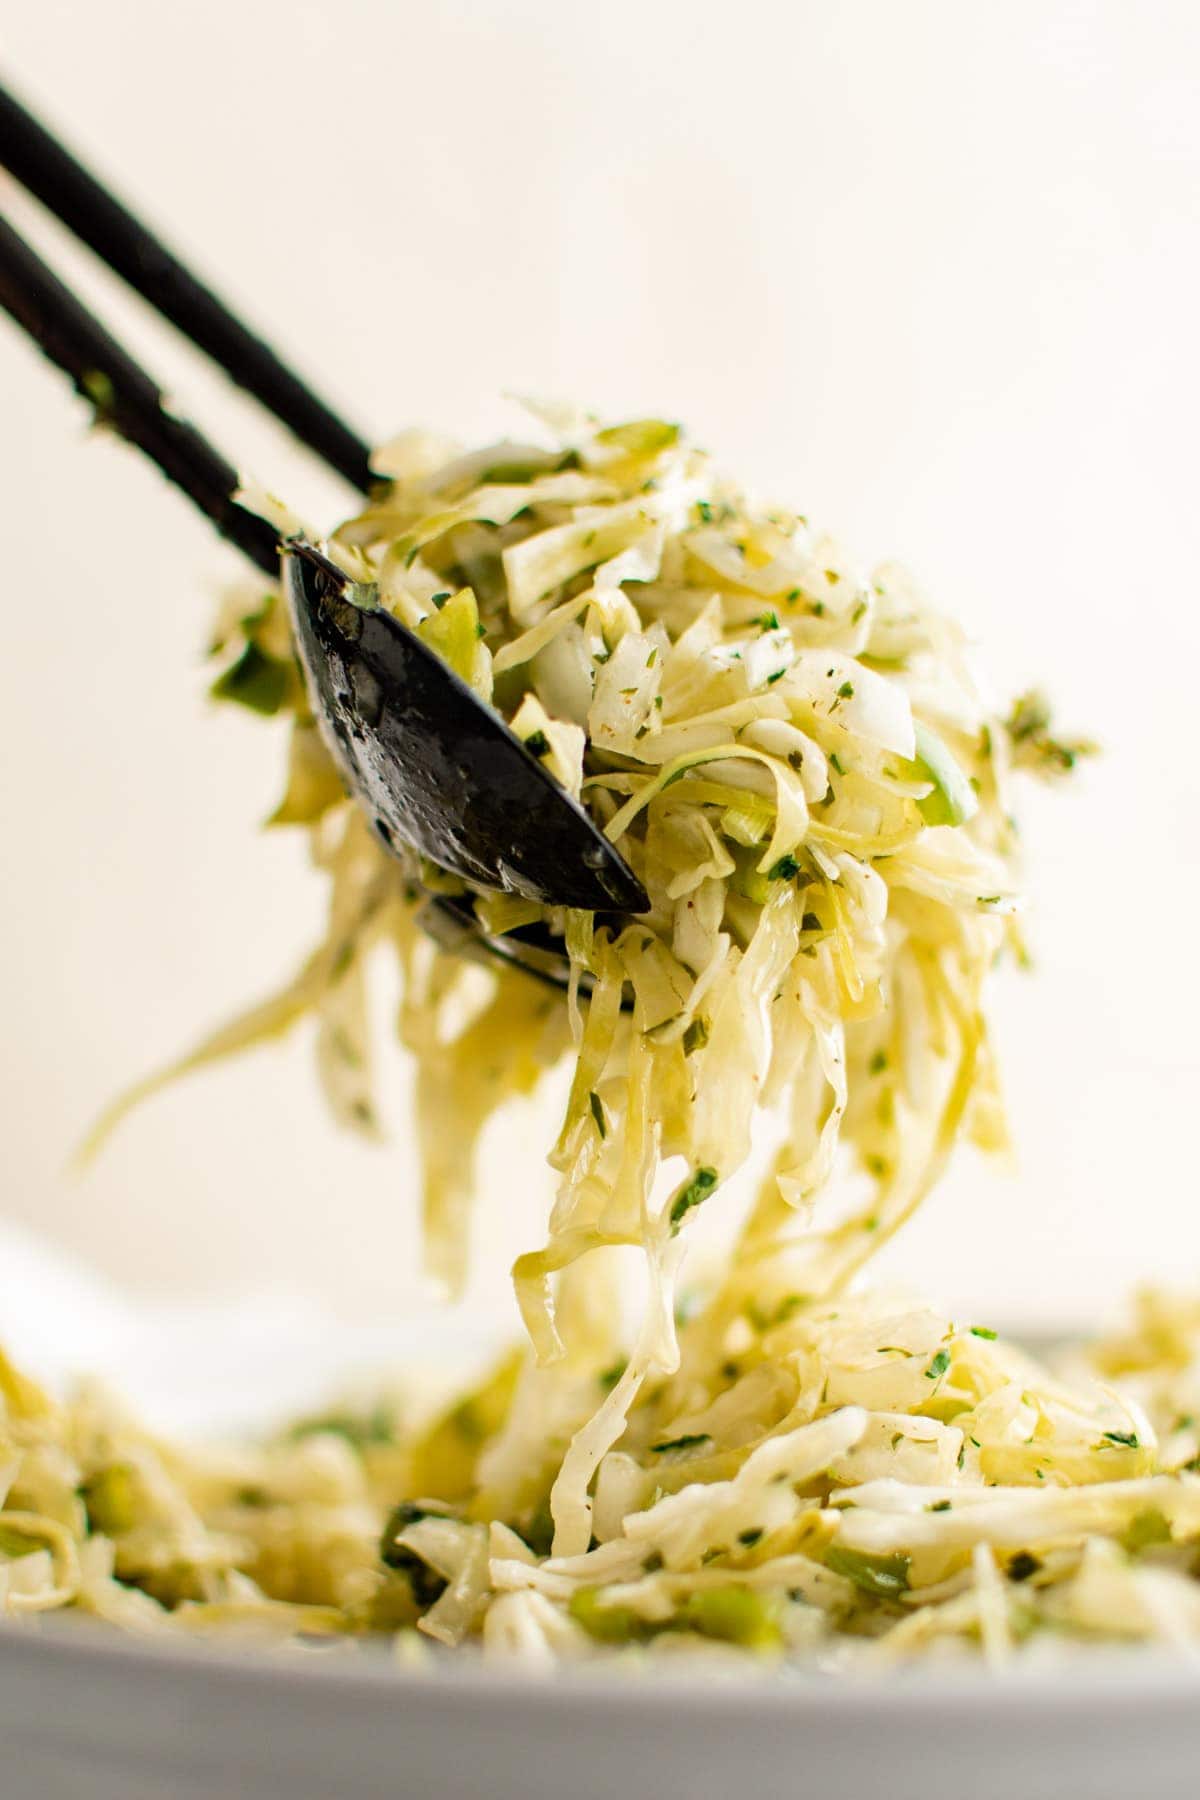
column 84, row 1713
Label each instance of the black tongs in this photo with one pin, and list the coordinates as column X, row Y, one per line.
column 435, row 768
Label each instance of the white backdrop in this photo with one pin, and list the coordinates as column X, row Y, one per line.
column 930, row 270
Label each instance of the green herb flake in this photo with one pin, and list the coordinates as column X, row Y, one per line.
column 836, row 763
column 846, row 691
column 939, row 1506
column 768, row 621
column 786, row 869
column 938, row 1366
column 537, row 744
column 598, row 1113
column 696, row 1036
column 748, row 1539
column 1122, row 1440
column 689, row 1441
column 705, row 511
column 426, row 1584
column 439, row 600
column 99, row 389
column 983, row 1331
column 878, row 1063
column 692, row 1194
column 608, row 1378
column 1028, row 727
column 1023, row 1565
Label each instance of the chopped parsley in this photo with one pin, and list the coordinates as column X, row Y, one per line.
column 691, row 1440
column 1123, row 1440
column 598, row 1113
column 1022, row 1566
column 938, row 1366
column 692, row 1194
column 537, row 744
column 1028, row 727
column 786, row 869
column 426, row 1584
column 983, row 1331
column 99, row 389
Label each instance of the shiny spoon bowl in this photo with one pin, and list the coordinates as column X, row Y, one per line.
column 435, row 767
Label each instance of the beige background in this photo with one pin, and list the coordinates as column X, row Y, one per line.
column 928, row 269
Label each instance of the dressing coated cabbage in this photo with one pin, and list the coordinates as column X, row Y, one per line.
column 794, row 757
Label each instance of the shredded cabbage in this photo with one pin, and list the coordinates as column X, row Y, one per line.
column 795, row 760
column 852, row 1484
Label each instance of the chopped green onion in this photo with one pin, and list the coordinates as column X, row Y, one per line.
column 886, row 1577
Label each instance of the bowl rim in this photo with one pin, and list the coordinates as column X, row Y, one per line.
column 1120, row 1679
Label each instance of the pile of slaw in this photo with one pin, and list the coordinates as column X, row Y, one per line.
column 795, row 758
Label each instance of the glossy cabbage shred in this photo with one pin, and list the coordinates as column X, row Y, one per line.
column 793, row 755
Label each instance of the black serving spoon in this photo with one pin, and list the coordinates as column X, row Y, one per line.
column 434, row 766
column 469, row 796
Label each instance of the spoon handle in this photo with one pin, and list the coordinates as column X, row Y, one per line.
column 52, row 175
column 126, row 397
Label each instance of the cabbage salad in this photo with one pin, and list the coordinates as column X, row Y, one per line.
column 795, row 759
